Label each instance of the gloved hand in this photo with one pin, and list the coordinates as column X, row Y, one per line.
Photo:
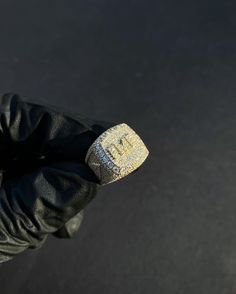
column 45, row 182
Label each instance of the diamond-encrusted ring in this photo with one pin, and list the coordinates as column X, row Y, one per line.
column 116, row 153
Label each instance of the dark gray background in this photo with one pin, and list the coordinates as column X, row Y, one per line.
column 167, row 68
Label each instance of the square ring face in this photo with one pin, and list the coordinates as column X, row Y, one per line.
column 119, row 151
column 124, row 147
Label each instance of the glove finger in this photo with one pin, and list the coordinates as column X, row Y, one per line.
column 71, row 227
column 36, row 204
column 32, row 130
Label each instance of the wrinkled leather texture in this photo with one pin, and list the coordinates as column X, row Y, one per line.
column 45, row 181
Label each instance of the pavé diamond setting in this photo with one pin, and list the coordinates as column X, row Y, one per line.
column 116, row 153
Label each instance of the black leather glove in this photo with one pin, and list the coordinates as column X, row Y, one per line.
column 45, row 182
